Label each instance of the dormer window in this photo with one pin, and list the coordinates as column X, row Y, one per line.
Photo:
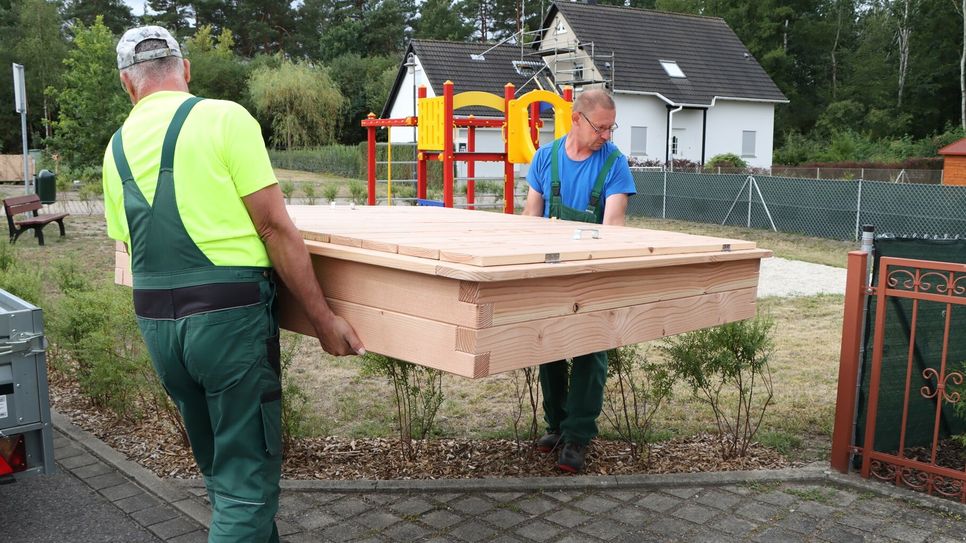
column 672, row 68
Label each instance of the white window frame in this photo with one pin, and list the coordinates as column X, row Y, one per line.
column 745, row 152
column 674, row 145
column 672, row 69
column 641, row 149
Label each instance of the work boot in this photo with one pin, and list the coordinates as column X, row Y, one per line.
column 572, row 457
column 548, row 442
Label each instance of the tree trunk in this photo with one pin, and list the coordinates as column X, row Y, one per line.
column 962, row 68
column 902, row 39
column 835, row 45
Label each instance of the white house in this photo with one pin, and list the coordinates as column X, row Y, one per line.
column 685, row 85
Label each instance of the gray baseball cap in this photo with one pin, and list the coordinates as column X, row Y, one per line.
column 126, row 57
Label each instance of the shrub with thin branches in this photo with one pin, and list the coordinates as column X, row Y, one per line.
column 727, row 368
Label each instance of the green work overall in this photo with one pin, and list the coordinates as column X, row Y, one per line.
column 572, row 410
column 213, row 337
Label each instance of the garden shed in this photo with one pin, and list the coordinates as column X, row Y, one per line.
column 954, row 163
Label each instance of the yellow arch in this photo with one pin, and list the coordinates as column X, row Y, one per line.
column 477, row 98
column 519, row 145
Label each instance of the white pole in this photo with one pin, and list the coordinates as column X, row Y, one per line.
column 20, row 104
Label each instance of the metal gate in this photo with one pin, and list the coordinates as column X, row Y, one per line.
column 929, row 377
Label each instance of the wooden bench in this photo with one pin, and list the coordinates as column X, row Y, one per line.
column 35, row 221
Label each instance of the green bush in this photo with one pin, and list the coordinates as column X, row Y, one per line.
column 70, row 277
column 330, row 191
column 725, row 160
column 288, row 189
column 20, row 279
column 339, row 160
column 726, row 368
column 294, row 400
column 310, row 194
column 358, row 192
column 418, row 393
column 98, row 330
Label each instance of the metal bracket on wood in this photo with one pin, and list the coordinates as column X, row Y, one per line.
column 579, row 233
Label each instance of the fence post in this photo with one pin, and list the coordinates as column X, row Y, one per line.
column 664, row 197
column 751, row 181
column 856, row 284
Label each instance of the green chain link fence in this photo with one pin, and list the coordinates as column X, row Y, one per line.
column 815, row 207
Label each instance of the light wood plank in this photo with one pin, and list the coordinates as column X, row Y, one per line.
column 522, row 271
column 490, row 239
column 430, row 343
column 390, row 289
column 520, row 345
column 532, row 299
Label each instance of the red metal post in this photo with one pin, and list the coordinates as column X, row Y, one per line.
column 509, row 91
column 448, row 144
column 420, row 159
column 371, row 163
column 856, row 284
column 471, row 167
column 534, row 119
column 876, row 373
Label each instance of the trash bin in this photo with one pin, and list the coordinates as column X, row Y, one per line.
column 26, row 434
column 46, row 186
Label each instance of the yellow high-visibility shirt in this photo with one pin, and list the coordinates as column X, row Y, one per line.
column 220, row 157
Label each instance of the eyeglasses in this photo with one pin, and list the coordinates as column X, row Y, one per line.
column 598, row 131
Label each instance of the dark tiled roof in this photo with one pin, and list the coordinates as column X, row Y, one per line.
column 712, row 57
column 445, row 60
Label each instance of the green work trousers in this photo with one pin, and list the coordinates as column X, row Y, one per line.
column 222, row 370
column 572, row 400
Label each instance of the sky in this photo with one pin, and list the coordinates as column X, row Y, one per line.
column 137, row 6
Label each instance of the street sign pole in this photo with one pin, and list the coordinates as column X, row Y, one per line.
column 20, row 101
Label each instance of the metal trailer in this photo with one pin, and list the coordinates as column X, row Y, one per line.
column 26, row 433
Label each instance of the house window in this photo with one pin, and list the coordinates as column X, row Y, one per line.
column 639, row 140
column 748, row 143
column 560, row 29
column 578, row 72
column 672, row 69
column 674, row 145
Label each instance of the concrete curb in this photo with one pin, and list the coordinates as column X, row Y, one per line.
column 179, row 492
column 179, row 498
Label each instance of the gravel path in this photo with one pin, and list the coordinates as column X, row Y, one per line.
column 783, row 277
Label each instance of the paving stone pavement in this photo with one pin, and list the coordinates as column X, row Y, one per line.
column 802, row 504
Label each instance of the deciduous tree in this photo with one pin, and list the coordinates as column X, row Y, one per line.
column 300, row 102
column 92, row 104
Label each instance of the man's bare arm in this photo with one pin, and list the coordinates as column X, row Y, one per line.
column 534, row 205
column 292, row 262
column 614, row 209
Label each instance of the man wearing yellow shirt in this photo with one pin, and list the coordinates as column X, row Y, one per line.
column 189, row 188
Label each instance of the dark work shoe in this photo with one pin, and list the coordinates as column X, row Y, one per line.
column 548, row 442
column 572, row 457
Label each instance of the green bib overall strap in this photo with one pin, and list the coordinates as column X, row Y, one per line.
column 595, row 211
column 163, row 254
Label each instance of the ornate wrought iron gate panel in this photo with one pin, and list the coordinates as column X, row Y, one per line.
column 933, row 286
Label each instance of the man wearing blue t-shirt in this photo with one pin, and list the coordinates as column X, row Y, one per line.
column 579, row 177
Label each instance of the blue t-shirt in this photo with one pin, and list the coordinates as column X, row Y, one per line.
column 577, row 178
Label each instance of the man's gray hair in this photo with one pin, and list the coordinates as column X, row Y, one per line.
column 153, row 70
column 591, row 99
